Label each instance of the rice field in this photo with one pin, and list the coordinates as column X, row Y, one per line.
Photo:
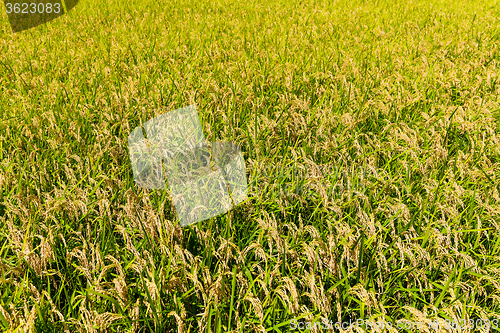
column 371, row 137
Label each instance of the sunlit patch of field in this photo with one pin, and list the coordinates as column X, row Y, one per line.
column 371, row 137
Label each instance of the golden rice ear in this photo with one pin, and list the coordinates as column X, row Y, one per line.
column 24, row 15
column 227, row 156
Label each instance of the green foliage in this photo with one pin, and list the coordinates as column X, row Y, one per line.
column 371, row 136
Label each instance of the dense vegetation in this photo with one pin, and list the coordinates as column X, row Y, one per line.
column 371, row 134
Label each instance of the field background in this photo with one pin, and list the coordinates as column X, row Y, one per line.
column 401, row 96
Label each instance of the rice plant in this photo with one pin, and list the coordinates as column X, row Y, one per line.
column 371, row 137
